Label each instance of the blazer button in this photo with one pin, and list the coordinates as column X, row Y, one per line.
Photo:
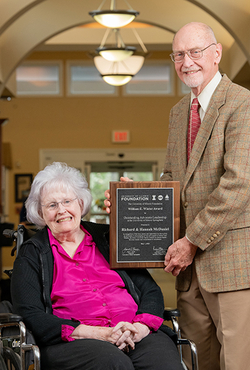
column 185, row 204
column 215, row 235
column 218, row 232
column 209, row 241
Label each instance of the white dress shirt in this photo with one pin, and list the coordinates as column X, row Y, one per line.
column 206, row 94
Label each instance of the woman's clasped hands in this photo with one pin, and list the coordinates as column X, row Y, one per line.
column 128, row 334
column 124, row 335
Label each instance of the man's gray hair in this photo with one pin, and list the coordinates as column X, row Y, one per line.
column 56, row 176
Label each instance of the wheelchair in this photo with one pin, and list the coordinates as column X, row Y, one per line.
column 13, row 333
column 15, row 352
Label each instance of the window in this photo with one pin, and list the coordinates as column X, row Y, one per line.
column 104, row 172
column 154, row 78
column 85, row 79
column 39, row 78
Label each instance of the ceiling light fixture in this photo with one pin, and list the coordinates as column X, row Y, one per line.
column 119, row 51
column 115, row 68
column 113, row 18
column 119, row 73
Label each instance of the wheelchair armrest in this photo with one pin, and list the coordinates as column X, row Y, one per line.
column 169, row 314
column 9, row 317
column 193, row 351
column 28, row 352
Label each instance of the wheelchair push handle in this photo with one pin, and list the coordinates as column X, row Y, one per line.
column 12, row 234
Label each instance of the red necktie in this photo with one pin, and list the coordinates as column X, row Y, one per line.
column 194, row 125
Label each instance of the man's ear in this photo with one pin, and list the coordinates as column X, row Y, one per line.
column 218, row 53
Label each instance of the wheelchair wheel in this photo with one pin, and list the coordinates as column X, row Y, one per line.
column 2, row 364
column 11, row 359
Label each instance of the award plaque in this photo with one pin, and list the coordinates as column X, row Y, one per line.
column 144, row 222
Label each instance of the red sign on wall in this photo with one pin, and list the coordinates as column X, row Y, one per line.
column 120, row 137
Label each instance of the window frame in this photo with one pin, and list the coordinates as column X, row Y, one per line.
column 58, row 63
column 80, row 63
column 155, row 62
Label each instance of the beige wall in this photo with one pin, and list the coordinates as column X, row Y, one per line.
column 79, row 122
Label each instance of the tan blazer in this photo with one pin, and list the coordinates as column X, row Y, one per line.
column 215, row 187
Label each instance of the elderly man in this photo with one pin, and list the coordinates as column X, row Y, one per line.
column 208, row 151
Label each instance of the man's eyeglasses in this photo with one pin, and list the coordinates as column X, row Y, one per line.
column 193, row 54
column 53, row 206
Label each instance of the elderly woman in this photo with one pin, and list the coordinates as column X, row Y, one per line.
column 83, row 315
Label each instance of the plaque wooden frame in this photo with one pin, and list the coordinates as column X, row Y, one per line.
column 114, row 185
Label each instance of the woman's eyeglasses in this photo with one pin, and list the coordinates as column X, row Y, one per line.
column 53, row 206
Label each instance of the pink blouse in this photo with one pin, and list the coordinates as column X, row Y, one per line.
column 86, row 290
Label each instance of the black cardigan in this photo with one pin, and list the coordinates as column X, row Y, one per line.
column 32, row 277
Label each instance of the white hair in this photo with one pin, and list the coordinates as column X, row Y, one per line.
column 56, row 175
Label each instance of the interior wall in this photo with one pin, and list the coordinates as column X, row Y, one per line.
column 79, row 122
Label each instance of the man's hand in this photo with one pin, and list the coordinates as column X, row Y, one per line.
column 107, row 201
column 179, row 256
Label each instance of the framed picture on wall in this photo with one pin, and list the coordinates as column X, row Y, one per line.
column 22, row 186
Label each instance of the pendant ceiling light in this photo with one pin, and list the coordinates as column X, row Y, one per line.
column 117, row 52
column 114, row 18
column 117, row 80
column 119, row 73
column 116, row 68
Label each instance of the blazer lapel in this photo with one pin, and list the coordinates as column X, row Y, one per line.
column 206, row 128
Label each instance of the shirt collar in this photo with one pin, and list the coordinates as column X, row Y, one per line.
column 87, row 239
column 206, row 94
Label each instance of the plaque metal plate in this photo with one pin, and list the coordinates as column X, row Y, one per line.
column 144, row 222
